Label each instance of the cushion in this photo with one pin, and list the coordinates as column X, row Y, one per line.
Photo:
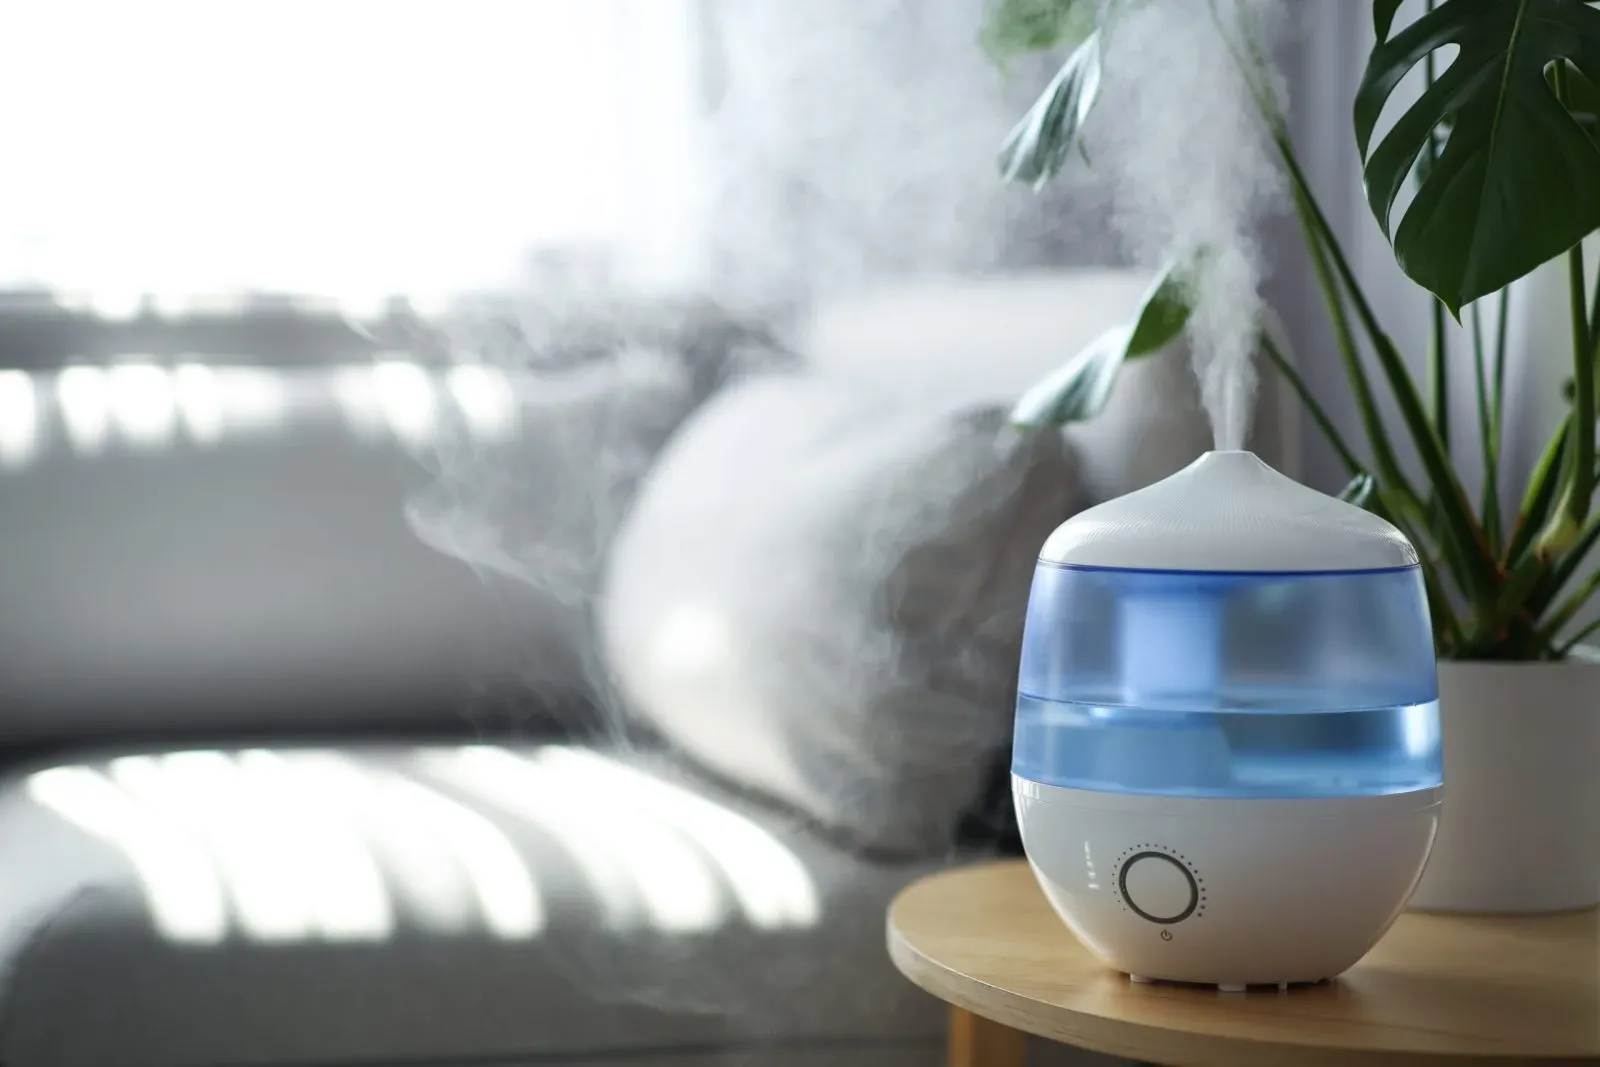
column 819, row 595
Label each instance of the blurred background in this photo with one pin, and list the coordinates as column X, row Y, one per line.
column 238, row 236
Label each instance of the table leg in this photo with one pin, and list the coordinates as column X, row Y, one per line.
column 977, row 1042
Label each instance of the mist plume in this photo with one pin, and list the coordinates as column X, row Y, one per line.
column 1193, row 172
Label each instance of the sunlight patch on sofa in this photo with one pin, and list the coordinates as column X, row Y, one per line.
column 181, row 886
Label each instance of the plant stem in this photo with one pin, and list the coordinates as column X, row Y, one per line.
column 1475, row 563
column 1438, row 358
column 1577, row 639
column 1352, row 465
column 1584, row 384
column 1511, row 601
column 1305, row 210
column 1568, row 611
column 1439, row 376
column 1440, row 610
column 1594, row 321
column 1462, row 537
column 1349, row 354
column 1309, row 215
column 1491, row 472
column 1559, row 574
column 1491, row 499
column 1540, row 494
column 1581, row 483
column 1583, row 381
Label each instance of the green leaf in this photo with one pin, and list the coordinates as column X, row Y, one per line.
column 1037, row 148
column 1014, row 27
column 1080, row 389
column 1163, row 313
column 1358, row 491
column 1510, row 601
column 1560, row 533
column 1518, row 180
column 1566, row 567
column 1543, row 483
column 1383, row 17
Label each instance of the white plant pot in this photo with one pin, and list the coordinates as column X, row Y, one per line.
column 1520, row 828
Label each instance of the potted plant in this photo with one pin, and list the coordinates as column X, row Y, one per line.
column 1499, row 156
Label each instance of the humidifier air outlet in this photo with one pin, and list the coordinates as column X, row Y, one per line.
column 1226, row 767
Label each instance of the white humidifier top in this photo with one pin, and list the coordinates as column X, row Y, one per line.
column 1228, row 511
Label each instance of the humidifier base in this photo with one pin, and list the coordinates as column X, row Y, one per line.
column 1225, row 892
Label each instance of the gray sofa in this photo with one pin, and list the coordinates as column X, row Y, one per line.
column 290, row 785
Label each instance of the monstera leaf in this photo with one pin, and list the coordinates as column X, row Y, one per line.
column 1517, row 180
column 1383, row 17
column 1583, row 100
column 1080, row 389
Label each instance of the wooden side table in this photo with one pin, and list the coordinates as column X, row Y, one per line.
column 1437, row 989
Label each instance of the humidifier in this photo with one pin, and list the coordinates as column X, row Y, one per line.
column 1227, row 766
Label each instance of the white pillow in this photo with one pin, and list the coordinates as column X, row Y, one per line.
column 819, row 595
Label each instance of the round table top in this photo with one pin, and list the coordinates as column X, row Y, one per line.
column 1436, row 989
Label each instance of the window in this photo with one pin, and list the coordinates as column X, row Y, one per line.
column 173, row 150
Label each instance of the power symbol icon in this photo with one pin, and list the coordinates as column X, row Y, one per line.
column 1166, row 935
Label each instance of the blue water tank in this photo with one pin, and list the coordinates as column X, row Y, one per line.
column 1228, row 633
